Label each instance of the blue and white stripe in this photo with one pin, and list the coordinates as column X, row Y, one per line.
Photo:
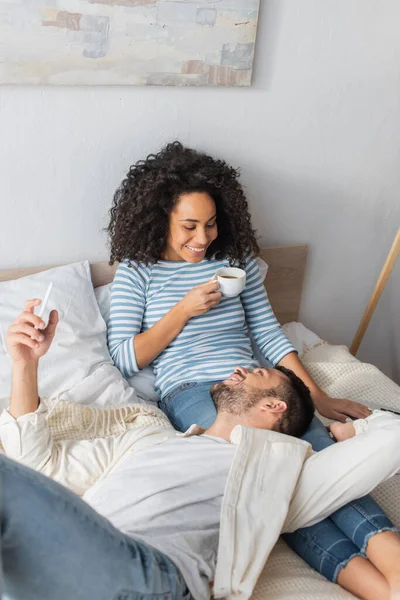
column 211, row 345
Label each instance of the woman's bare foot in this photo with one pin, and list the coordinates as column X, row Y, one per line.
column 342, row 431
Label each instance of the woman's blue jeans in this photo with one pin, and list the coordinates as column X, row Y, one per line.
column 54, row 546
column 327, row 546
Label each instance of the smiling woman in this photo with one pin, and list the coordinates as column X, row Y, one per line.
column 141, row 216
column 177, row 218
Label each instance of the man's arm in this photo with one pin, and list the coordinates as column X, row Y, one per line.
column 28, row 340
column 24, row 428
column 24, row 390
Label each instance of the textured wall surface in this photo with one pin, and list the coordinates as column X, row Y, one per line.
column 317, row 137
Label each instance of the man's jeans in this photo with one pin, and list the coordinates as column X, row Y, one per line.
column 54, row 546
column 327, row 546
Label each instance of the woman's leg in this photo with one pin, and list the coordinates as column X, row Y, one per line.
column 190, row 403
column 55, row 546
column 362, row 579
column 327, row 550
column 383, row 550
column 324, row 547
column 357, row 522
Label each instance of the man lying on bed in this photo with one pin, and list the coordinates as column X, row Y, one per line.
column 167, row 515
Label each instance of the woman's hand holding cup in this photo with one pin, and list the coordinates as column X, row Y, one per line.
column 200, row 299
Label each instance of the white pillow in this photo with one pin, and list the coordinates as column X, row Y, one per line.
column 103, row 298
column 263, row 267
column 80, row 345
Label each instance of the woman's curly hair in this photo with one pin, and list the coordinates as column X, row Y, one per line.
column 139, row 222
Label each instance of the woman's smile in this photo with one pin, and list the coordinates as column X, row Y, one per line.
column 196, row 250
column 192, row 228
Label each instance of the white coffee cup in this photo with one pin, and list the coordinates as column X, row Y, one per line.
column 231, row 281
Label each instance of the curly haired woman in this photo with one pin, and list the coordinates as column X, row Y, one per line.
column 177, row 217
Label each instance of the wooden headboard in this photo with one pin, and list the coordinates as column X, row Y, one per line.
column 284, row 281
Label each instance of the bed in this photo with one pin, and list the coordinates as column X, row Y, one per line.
column 99, row 384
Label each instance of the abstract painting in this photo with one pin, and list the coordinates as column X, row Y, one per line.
column 128, row 42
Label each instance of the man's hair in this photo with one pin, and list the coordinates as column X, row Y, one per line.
column 296, row 395
column 300, row 407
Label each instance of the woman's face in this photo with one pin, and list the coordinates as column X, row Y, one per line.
column 192, row 227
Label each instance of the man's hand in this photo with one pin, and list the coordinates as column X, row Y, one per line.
column 340, row 409
column 21, row 347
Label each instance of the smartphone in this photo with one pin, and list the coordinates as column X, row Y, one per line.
column 45, row 301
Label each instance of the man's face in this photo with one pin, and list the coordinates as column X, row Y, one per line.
column 255, row 396
column 260, row 378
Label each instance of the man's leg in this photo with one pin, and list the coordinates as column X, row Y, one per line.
column 331, row 550
column 344, row 471
column 361, row 518
column 54, row 545
column 338, row 474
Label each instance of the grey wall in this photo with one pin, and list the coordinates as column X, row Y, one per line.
column 317, row 137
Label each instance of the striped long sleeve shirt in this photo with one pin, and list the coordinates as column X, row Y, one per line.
column 211, row 345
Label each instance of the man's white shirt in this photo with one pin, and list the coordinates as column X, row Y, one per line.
column 170, row 496
column 215, row 508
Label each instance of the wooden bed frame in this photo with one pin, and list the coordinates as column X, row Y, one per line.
column 284, row 282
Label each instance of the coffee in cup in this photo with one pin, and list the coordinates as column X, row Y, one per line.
column 231, row 281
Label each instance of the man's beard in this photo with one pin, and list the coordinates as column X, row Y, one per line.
column 234, row 399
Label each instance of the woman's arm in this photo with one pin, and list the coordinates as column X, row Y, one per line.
column 131, row 349
column 332, row 408
column 275, row 347
column 149, row 344
column 264, row 327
